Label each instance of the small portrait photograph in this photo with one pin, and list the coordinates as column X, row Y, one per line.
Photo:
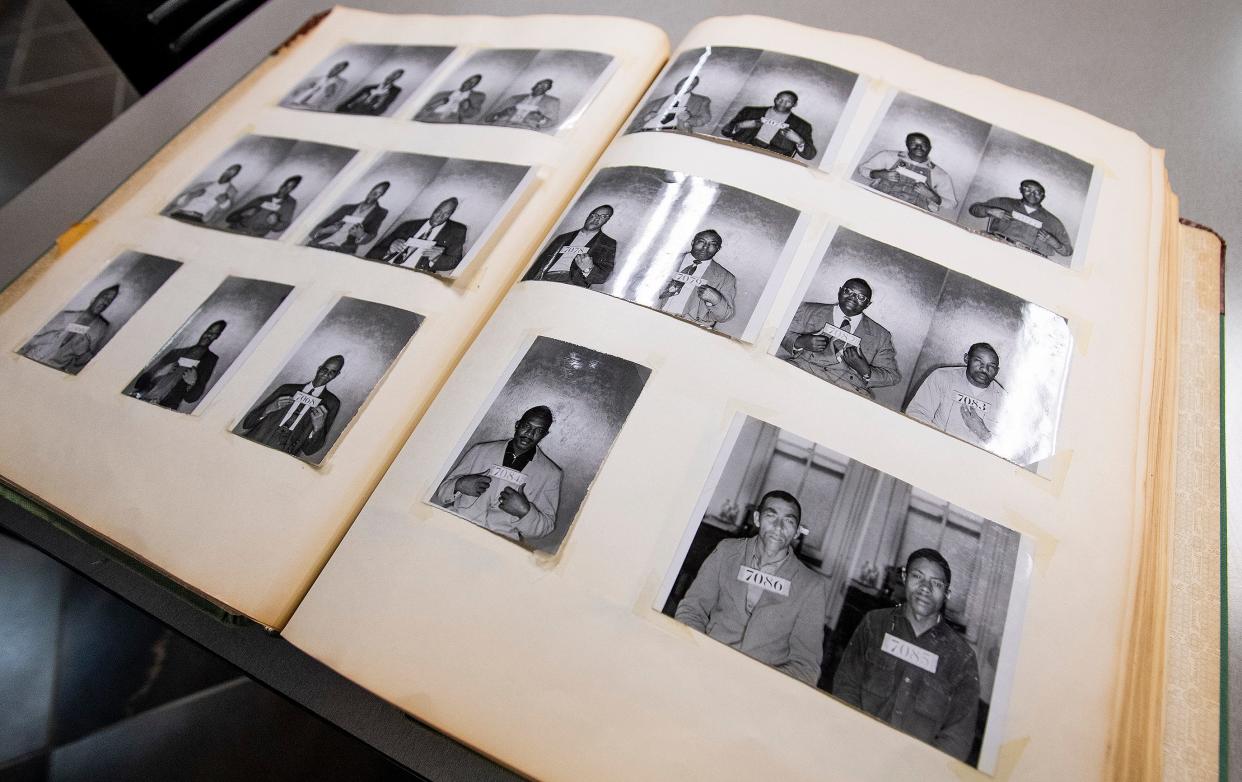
column 370, row 80
column 421, row 213
column 923, row 154
column 259, row 186
column 72, row 338
column 199, row 355
column 861, row 322
column 320, row 389
column 706, row 253
column 526, row 465
column 778, row 103
column 837, row 574
column 992, row 371
column 535, row 89
column 1031, row 196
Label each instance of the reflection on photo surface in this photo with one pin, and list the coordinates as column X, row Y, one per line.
column 698, row 250
column 845, row 578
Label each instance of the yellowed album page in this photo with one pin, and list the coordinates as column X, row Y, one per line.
column 250, row 520
column 563, row 666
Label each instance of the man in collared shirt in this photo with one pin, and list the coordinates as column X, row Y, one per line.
column 838, row 343
column 701, row 290
column 203, row 202
column 964, row 401
column 318, row 92
column 267, row 213
column 509, row 487
column 683, row 109
column 910, row 668
column 457, row 105
column 374, row 99
column 351, row 224
column 181, row 374
column 537, row 109
column 72, row 338
column 584, row 257
column 1024, row 221
column 296, row 417
column 756, row 596
column 911, row 176
column 775, row 128
column 436, row 242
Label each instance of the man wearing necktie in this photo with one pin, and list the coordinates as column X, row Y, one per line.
column 584, row 257
column 296, row 417
column 701, row 290
column 683, row 109
column 838, row 343
column 436, row 243
column 266, row 213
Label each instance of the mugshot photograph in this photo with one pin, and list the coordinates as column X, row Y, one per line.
column 992, row 371
column 199, row 354
column 75, row 335
column 1030, row 196
column 838, row 575
column 693, row 90
column 716, row 274
column 863, row 318
column 328, row 378
column 923, row 154
column 435, row 229
column 527, row 464
column 355, row 79
column 259, row 185
column 533, row 89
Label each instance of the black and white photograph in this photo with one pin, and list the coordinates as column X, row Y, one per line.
column 861, row 322
column 987, row 179
column 316, row 394
column 524, row 469
column 700, row 251
column 259, row 186
column 1029, row 195
column 370, row 80
column 957, row 354
column 992, row 371
column 923, row 154
column 199, row 355
column 781, row 104
column 888, row 598
column 419, row 212
column 81, row 329
column 535, row 89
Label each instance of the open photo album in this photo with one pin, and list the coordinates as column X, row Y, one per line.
column 784, row 405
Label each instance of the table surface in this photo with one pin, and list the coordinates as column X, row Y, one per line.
column 1170, row 72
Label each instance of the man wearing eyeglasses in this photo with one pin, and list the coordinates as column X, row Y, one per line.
column 756, row 596
column 509, row 487
column 838, row 343
column 910, row 668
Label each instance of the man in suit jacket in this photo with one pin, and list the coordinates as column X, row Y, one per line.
column 584, row 257
column 775, row 128
column 266, row 213
column 756, row 596
column 680, row 110
column 181, row 374
column 203, row 202
column 447, row 238
column 701, row 291
column 351, row 224
column 838, row 343
column 509, row 487
column 373, row 99
column 459, row 105
column 536, row 110
column 296, row 417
